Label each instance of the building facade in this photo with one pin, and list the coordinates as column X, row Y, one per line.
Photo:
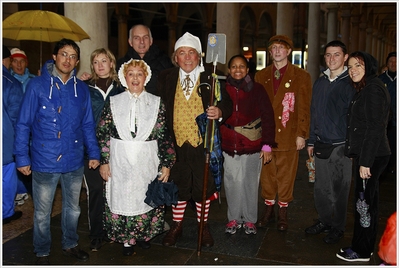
column 370, row 27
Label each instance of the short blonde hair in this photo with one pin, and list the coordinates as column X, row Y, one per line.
column 135, row 63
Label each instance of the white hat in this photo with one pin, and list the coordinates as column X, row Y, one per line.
column 189, row 40
column 122, row 76
column 16, row 52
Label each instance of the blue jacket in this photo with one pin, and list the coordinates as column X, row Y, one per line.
column 12, row 97
column 99, row 98
column 59, row 116
column 24, row 79
column 329, row 108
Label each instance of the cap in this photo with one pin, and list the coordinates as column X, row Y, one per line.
column 6, row 52
column 283, row 39
column 16, row 52
column 189, row 40
column 391, row 54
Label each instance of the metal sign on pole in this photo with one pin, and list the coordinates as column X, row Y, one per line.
column 215, row 52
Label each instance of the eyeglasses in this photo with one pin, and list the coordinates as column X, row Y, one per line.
column 66, row 55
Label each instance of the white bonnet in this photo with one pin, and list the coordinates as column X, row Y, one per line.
column 122, row 76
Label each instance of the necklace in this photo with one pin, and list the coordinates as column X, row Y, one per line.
column 277, row 74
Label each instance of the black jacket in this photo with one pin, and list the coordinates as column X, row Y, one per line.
column 368, row 119
column 329, row 109
column 154, row 58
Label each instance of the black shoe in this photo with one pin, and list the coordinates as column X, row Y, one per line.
column 318, row 228
column 42, row 261
column 15, row 216
column 333, row 236
column 143, row 244
column 128, row 251
column 96, row 244
column 77, row 253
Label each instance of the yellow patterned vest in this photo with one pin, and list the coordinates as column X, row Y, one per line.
column 185, row 112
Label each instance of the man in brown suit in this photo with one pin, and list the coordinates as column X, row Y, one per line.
column 290, row 91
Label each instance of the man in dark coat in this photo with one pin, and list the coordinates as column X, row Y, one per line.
column 178, row 88
column 142, row 48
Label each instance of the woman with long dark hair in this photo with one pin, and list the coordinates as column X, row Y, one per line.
column 367, row 144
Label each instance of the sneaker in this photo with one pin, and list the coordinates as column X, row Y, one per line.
column 250, row 228
column 349, row 255
column 20, row 199
column 42, row 260
column 232, row 227
column 333, row 236
column 318, row 228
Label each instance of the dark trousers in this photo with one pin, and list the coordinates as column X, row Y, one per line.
column 95, row 188
column 188, row 173
column 391, row 133
column 331, row 188
column 363, row 240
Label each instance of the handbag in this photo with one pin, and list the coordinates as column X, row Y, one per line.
column 252, row 130
column 323, row 150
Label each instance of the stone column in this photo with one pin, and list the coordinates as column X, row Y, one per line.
column 93, row 19
column 345, row 23
column 369, row 40
column 332, row 22
column 374, row 44
column 122, row 13
column 354, row 40
column 362, row 37
column 225, row 12
column 172, row 37
column 314, row 41
column 285, row 18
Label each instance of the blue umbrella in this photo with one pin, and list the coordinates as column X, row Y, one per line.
column 215, row 148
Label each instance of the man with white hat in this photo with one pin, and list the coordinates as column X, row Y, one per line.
column 19, row 67
column 179, row 89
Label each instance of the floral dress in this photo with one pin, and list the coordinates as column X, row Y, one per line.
column 143, row 227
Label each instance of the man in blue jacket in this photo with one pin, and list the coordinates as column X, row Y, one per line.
column 56, row 112
column 12, row 96
column 331, row 96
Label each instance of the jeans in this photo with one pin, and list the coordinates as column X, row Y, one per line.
column 43, row 188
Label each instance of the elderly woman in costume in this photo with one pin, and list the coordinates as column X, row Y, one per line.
column 135, row 147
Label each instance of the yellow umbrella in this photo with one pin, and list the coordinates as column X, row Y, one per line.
column 41, row 25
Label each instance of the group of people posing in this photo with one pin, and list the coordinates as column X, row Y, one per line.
column 131, row 121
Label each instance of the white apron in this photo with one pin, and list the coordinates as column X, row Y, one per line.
column 133, row 161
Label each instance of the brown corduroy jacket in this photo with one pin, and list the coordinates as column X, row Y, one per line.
column 295, row 82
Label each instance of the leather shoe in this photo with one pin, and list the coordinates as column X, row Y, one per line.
column 15, row 216
column 128, row 251
column 42, row 261
column 282, row 224
column 143, row 244
column 77, row 253
column 207, row 240
column 175, row 231
column 268, row 216
column 333, row 236
column 318, row 228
